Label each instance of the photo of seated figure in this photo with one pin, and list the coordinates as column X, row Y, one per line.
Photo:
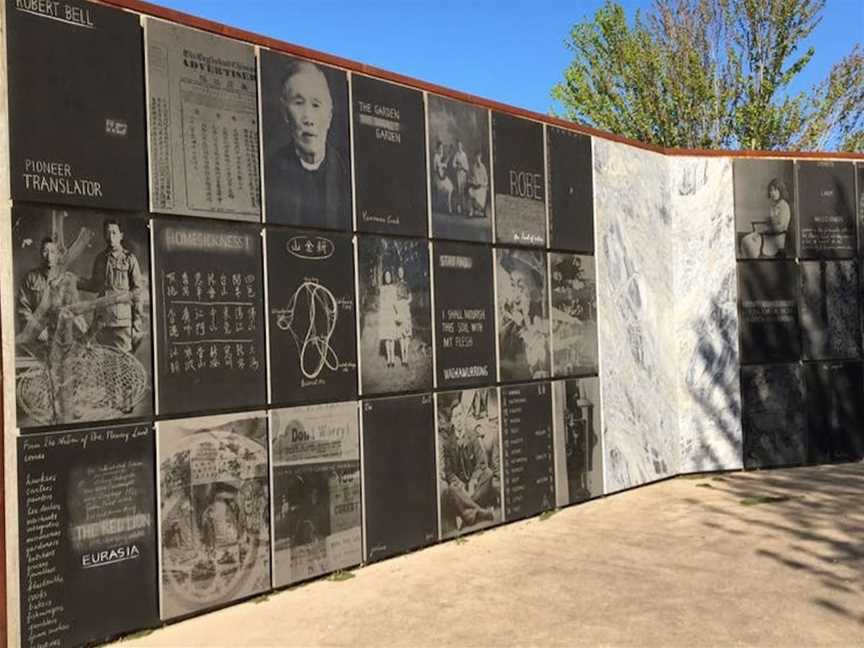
column 469, row 460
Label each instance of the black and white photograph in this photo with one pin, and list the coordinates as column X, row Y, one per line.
column 395, row 315
column 469, row 460
column 527, row 439
column 399, row 481
column 76, row 105
column 523, row 315
column 313, row 326
column 389, row 158
column 202, row 112
column 316, row 491
column 765, row 210
column 573, row 290
column 214, row 511
column 768, row 295
column 826, row 208
column 87, row 535
column 459, row 170
column 835, row 411
column 520, row 181
column 577, row 435
column 209, row 310
column 571, row 190
column 830, row 310
column 464, row 314
column 773, row 416
column 83, row 348
column 305, row 143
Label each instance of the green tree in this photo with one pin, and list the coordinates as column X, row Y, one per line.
column 711, row 74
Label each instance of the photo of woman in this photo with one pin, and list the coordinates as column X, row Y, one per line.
column 765, row 209
column 388, row 326
column 769, row 238
column 395, row 315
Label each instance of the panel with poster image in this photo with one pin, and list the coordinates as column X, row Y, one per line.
column 316, row 491
column 214, row 511
column 469, row 460
column 83, row 348
column 399, row 491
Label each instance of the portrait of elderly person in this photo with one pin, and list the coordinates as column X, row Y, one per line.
column 308, row 179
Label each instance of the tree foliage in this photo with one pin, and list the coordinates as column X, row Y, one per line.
column 712, row 74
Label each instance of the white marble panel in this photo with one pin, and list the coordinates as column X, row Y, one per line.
column 706, row 320
column 635, row 280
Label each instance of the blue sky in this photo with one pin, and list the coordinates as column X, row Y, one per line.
column 509, row 51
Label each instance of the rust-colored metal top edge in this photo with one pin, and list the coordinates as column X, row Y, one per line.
column 281, row 46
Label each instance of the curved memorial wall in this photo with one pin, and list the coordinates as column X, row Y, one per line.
column 268, row 314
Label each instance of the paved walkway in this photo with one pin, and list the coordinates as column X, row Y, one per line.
column 773, row 558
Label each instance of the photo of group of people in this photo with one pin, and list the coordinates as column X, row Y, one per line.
column 82, row 334
column 459, row 170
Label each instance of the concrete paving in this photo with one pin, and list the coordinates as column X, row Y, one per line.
column 773, row 558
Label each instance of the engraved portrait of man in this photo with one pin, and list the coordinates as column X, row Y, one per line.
column 308, row 177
